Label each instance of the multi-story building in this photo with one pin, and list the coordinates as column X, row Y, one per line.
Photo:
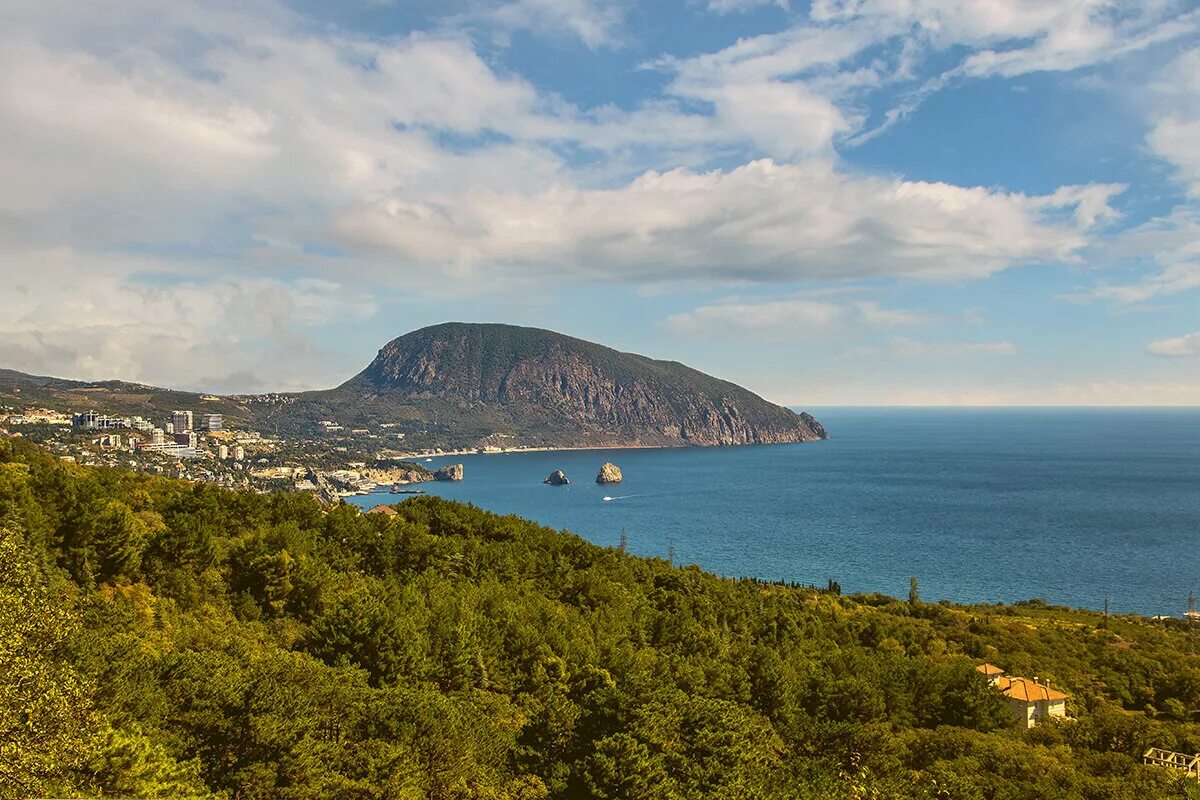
column 91, row 421
column 182, row 420
column 170, row 449
column 211, row 422
column 239, row 453
column 186, row 439
column 222, row 451
column 157, row 436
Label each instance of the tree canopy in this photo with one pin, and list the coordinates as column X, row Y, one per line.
column 159, row 638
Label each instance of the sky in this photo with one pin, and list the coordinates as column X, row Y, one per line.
column 835, row 202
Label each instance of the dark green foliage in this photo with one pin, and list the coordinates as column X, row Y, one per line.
column 165, row 639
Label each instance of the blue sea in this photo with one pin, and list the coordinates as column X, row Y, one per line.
column 1073, row 506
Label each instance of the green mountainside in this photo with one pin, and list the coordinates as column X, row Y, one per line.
column 160, row 638
column 475, row 381
column 466, row 385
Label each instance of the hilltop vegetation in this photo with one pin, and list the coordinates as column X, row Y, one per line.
column 159, row 638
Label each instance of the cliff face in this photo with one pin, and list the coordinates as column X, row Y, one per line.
column 524, row 379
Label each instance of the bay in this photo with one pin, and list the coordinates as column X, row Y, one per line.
column 1073, row 506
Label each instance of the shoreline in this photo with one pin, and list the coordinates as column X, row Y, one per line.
column 583, row 448
column 515, row 450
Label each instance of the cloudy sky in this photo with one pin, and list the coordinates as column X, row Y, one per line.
column 835, row 202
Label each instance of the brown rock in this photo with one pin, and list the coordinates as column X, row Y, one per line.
column 557, row 478
column 450, row 472
column 609, row 473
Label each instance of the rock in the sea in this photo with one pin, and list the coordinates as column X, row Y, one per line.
column 450, row 472
column 609, row 473
column 557, row 478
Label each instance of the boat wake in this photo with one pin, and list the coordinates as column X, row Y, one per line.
column 608, row 499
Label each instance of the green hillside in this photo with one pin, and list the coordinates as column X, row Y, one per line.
column 472, row 380
column 159, row 638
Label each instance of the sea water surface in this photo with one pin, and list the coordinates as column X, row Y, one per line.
column 1074, row 506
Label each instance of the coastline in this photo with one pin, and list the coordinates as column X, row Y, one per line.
column 512, row 450
column 585, row 448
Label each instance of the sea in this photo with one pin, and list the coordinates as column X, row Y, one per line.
column 1071, row 506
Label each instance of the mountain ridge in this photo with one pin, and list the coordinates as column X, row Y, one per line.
column 467, row 385
column 531, row 379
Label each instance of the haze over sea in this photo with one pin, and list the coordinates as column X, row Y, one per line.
column 1069, row 505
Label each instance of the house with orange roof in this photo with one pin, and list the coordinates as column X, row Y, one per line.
column 1030, row 701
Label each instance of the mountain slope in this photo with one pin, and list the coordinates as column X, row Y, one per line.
column 486, row 380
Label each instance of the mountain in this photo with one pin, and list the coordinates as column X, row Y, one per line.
column 467, row 385
column 487, row 383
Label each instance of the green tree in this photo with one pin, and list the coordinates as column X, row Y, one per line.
column 118, row 539
column 47, row 723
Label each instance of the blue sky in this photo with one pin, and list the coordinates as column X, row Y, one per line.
column 837, row 202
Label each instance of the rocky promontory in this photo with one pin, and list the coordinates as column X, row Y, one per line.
column 450, row 472
column 549, row 390
column 609, row 473
column 557, row 478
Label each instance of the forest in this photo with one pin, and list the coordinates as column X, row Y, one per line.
column 166, row 639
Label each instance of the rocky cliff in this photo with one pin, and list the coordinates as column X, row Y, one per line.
column 540, row 387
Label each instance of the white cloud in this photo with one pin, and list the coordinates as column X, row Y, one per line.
column 81, row 316
column 596, row 23
column 761, row 222
column 250, row 133
column 903, row 347
column 911, row 348
column 730, row 6
column 1009, row 38
column 1166, row 250
column 1175, row 135
column 788, row 320
column 1084, row 393
column 1179, row 347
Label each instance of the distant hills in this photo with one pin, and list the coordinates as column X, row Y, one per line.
column 474, row 385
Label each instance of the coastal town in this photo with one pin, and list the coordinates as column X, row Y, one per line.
column 204, row 448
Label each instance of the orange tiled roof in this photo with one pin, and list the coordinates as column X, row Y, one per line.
column 383, row 509
column 989, row 670
column 1027, row 691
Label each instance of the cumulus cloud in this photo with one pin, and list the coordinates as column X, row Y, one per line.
column 82, row 316
column 1178, row 347
column 268, row 162
column 760, row 222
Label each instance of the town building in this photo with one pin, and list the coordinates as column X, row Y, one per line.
column 182, row 421
column 86, row 421
column 212, row 422
column 223, row 451
column 239, row 453
column 186, row 439
column 92, row 421
column 169, row 449
column 1030, row 701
